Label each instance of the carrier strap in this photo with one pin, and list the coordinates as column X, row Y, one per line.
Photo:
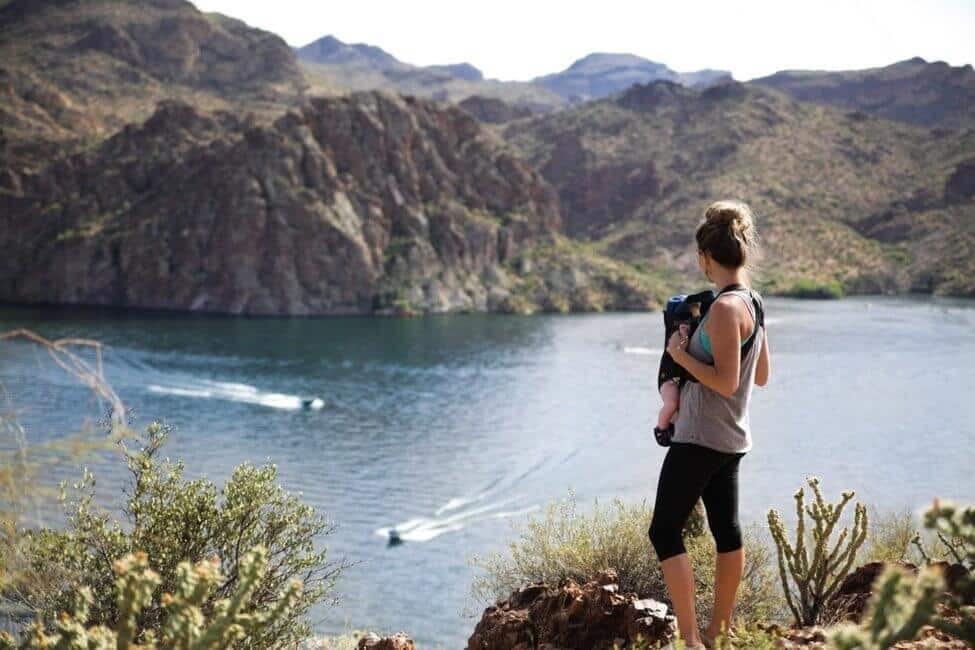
column 756, row 303
column 759, row 316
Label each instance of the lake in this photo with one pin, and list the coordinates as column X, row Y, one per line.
column 453, row 429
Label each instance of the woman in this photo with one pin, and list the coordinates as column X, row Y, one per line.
column 711, row 433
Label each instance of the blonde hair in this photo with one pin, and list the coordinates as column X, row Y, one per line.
column 728, row 234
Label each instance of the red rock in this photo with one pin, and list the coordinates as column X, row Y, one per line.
column 591, row 616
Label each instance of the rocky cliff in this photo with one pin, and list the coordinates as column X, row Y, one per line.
column 346, row 206
column 359, row 204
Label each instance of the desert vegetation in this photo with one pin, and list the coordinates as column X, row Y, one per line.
column 186, row 564
column 791, row 592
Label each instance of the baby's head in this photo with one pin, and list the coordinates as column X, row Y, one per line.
column 695, row 309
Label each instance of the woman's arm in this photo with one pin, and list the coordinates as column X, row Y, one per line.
column 722, row 326
column 763, row 369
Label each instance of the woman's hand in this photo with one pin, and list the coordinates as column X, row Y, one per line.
column 677, row 344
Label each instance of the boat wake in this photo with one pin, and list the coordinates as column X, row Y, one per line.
column 236, row 392
column 423, row 529
column 643, row 351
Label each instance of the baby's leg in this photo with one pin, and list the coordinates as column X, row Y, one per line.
column 670, row 393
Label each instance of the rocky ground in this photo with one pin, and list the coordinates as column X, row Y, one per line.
column 596, row 615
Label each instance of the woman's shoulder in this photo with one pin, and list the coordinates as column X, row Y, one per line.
column 735, row 304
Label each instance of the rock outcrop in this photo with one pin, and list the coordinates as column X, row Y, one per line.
column 492, row 110
column 594, row 616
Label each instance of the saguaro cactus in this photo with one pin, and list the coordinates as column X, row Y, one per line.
column 815, row 570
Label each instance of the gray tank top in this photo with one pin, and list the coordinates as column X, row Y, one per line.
column 710, row 419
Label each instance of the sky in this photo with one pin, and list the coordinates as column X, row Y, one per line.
column 522, row 39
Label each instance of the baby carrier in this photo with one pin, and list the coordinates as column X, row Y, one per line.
column 679, row 310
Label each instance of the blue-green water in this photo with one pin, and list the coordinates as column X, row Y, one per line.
column 454, row 428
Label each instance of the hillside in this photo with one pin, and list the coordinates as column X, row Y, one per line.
column 913, row 91
column 74, row 71
column 370, row 203
column 841, row 198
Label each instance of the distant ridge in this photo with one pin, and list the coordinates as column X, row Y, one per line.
column 329, row 50
column 914, row 91
column 332, row 66
column 600, row 74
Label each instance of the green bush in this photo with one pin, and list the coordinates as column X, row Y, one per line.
column 190, row 625
column 563, row 544
column 807, row 288
column 175, row 520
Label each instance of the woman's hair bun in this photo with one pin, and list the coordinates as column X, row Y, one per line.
column 734, row 215
column 728, row 233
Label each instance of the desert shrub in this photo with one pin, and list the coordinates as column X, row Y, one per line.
column 900, row 537
column 25, row 464
column 562, row 543
column 174, row 520
column 187, row 627
column 890, row 538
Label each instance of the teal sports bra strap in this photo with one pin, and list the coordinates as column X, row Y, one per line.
column 759, row 313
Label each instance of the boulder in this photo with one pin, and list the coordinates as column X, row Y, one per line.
column 593, row 615
column 398, row 641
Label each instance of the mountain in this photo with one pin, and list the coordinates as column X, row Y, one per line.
column 332, row 66
column 913, row 91
column 74, row 71
column 599, row 74
column 368, row 203
column 842, row 198
column 330, row 50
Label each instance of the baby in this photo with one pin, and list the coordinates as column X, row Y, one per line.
column 682, row 312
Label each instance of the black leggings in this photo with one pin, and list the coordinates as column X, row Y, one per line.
column 690, row 471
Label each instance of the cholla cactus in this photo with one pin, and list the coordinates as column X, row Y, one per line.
column 818, row 571
column 956, row 528
column 186, row 627
column 899, row 608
